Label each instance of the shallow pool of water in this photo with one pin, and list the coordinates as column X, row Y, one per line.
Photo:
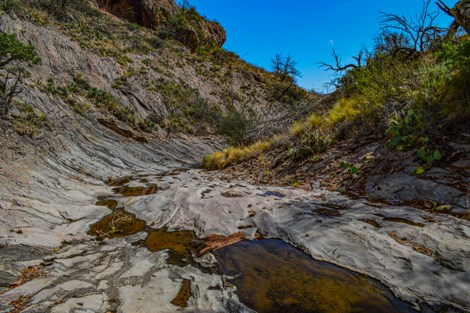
column 272, row 276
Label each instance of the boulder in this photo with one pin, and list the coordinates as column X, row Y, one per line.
column 148, row 13
column 157, row 14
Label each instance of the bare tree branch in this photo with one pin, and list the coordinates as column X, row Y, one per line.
column 420, row 31
column 338, row 67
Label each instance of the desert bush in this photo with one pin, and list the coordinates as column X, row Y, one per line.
column 58, row 8
column 27, row 121
column 188, row 110
column 310, row 143
column 455, row 96
column 10, row 6
column 237, row 125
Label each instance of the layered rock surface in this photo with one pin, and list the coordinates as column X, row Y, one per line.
column 422, row 257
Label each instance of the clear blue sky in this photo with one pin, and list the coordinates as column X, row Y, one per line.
column 305, row 29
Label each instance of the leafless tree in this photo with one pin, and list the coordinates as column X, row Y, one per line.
column 284, row 67
column 420, row 32
column 338, row 67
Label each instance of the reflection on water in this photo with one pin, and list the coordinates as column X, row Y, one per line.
column 272, row 276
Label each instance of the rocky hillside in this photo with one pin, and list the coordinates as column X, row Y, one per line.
column 167, row 73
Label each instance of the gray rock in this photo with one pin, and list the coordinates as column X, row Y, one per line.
column 400, row 187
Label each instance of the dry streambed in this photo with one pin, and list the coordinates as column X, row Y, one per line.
column 188, row 240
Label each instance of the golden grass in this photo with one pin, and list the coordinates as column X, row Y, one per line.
column 296, row 129
column 315, row 121
column 221, row 159
column 344, row 109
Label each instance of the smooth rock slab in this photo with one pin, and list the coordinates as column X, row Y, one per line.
column 400, row 187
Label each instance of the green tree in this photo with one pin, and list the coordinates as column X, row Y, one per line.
column 14, row 56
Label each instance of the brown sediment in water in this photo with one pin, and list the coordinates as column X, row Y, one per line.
column 117, row 224
column 137, row 191
column 183, row 295
column 111, row 204
column 181, row 244
column 403, row 221
column 272, row 276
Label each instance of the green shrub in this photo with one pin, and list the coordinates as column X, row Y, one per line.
column 407, row 130
column 10, row 6
column 236, row 125
column 58, row 8
column 455, row 95
column 188, row 111
column 28, row 121
column 310, row 143
column 351, row 168
column 14, row 57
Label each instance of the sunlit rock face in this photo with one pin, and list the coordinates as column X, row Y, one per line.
column 149, row 13
column 154, row 14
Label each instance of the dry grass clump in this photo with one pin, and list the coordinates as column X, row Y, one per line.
column 221, row 159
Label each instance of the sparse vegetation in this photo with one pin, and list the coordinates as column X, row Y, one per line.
column 26, row 121
column 351, row 168
column 188, row 111
column 81, row 97
column 9, row 6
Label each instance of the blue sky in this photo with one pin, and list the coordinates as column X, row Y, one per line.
column 305, row 29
